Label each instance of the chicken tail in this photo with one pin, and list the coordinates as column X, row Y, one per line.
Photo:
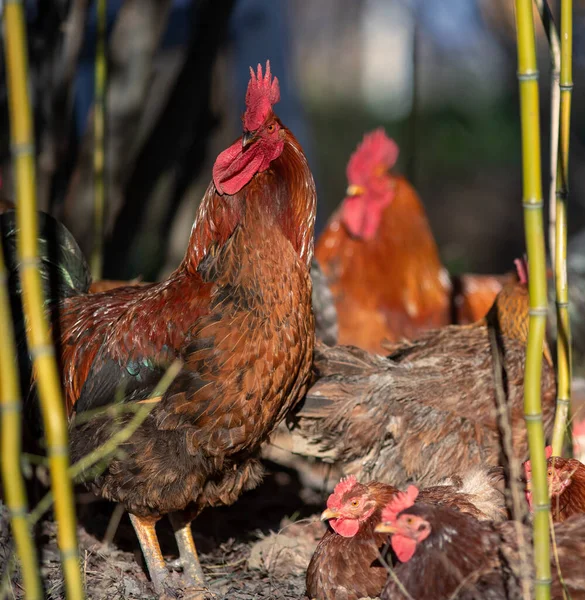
column 64, row 270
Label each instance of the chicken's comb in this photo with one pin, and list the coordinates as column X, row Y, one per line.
column 528, row 466
column 376, row 151
column 263, row 92
column 522, row 269
column 345, row 484
column 400, row 502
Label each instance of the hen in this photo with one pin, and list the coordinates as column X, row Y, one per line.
column 237, row 311
column 345, row 563
column 381, row 260
column 566, row 486
column 443, row 553
column 426, row 411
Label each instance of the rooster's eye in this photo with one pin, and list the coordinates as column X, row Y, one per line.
column 270, row 128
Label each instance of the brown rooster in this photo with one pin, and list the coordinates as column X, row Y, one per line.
column 345, row 563
column 237, row 310
column 381, row 260
column 443, row 553
column 566, row 486
column 426, row 411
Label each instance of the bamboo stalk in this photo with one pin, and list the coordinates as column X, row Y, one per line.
column 555, row 103
column 12, row 479
column 39, row 340
column 534, row 232
column 99, row 145
column 564, row 365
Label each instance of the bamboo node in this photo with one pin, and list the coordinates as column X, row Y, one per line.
column 562, row 304
column 566, row 401
column 533, row 203
column 68, row 554
column 42, row 350
column 566, row 87
column 531, row 418
column 23, row 148
column 537, row 312
column 528, row 76
column 18, row 513
column 10, row 406
column 58, row 451
column 542, row 581
column 562, row 194
column 541, row 507
column 29, row 262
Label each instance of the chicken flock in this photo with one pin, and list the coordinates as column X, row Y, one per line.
column 368, row 355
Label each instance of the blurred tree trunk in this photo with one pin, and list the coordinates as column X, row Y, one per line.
column 131, row 49
column 177, row 143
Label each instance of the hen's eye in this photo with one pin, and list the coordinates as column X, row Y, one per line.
column 355, row 502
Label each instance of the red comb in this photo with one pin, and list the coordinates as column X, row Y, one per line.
column 376, row 150
column 263, row 92
column 522, row 269
column 344, row 485
column 400, row 502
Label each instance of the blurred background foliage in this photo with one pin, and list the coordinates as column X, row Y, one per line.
column 439, row 75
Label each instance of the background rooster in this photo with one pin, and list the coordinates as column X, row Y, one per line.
column 346, row 562
column 453, row 554
column 426, row 411
column 237, row 311
column 381, row 260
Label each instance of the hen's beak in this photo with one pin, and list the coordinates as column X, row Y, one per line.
column 355, row 190
column 248, row 138
column 385, row 528
column 329, row 513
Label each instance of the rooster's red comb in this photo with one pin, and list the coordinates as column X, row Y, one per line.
column 522, row 269
column 344, row 485
column 263, row 92
column 376, row 151
column 400, row 502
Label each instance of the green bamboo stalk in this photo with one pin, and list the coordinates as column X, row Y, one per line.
column 99, row 148
column 534, row 232
column 555, row 104
column 564, row 364
column 39, row 340
column 12, row 479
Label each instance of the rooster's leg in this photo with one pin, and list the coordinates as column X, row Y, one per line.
column 146, row 533
column 192, row 570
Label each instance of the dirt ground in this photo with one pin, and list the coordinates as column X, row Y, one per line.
column 257, row 548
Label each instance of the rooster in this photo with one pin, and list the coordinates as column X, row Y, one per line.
column 381, row 259
column 345, row 563
column 237, row 311
column 443, row 553
column 428, row 410
column 566, row 486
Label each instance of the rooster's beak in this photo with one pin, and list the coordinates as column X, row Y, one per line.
column 355, row 190
column 248, row 138
column 329, row 513
column 385, row 528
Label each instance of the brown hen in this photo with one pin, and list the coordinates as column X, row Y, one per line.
column 442, row 553
column 345, row 563
column 425, row 412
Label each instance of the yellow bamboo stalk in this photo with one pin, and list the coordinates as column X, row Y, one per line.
column 12, row 479
column 555, row 98
column 564, row 366
column 534, row 232
column 99, row 145
column 39, row 340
